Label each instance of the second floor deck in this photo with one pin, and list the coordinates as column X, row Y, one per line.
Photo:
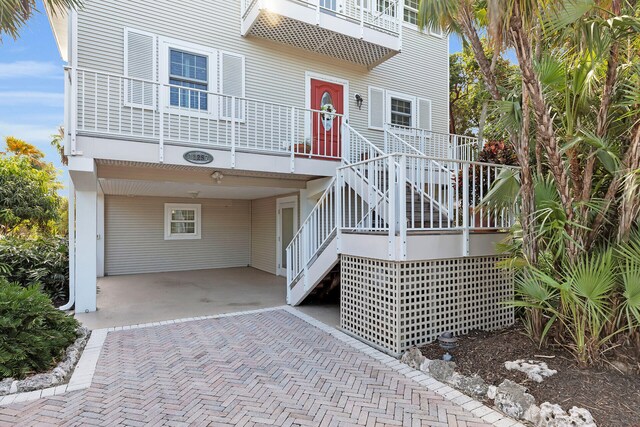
column 363, row 32
column 118, row 108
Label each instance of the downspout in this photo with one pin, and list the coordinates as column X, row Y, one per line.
column 72, row 247
column 69, row 128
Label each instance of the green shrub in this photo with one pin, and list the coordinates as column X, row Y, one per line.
column 33, row 333
column 43, row 260
column 590, row 302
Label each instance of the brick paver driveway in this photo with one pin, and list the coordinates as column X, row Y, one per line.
column 269, row 368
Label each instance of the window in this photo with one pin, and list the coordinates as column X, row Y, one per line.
column 411, row 16
column 188, row 70
column 397, row 109
column 401, row 112
column 411, row 11
column 181, row 221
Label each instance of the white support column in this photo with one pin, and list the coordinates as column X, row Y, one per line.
column 100, row 234
column 465, row 209
column 86, row 250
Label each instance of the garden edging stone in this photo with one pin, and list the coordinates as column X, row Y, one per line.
column 54, row 377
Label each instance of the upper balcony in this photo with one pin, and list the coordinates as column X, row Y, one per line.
column 341, row 29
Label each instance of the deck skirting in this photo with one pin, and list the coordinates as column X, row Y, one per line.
column 396, row 305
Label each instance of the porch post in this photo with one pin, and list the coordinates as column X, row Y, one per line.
column 83, row 173
column 465, row 209
column 86, row 250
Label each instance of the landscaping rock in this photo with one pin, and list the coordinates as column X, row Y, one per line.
column 441, row 370
column 413, row 358
column 535, row 370
column 513, row 399
column 550, row 415
column 5, row 386
column 54, row 377
column 37, row 382
column 473, row 386
column 491, row 392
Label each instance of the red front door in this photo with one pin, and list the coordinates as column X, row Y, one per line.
column 327, row 103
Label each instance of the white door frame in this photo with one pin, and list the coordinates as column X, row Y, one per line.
column 308, row 75
column 284, row 202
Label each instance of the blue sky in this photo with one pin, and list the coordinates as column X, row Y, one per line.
column 32, row 86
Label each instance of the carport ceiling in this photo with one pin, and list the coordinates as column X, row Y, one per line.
column 127, row 187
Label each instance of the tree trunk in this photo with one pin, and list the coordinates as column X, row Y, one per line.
column 544, row 123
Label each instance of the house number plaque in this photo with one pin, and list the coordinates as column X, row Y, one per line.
column 198, row 157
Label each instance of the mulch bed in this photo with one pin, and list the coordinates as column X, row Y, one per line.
column 613, row 398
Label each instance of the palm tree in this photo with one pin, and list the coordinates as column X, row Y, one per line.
column 15, row 13
column 579, row 103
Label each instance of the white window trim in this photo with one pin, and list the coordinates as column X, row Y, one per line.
column 430, row 31
column 414, row 106
column 125, row 86
column 167, row 221
column 165, row 44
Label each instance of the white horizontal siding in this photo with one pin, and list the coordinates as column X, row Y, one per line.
column 274, row 72
column 134, row 236
column 263, row 234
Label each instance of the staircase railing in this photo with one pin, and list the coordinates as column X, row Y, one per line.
column 315, row 232
column 437, row 144
column 370, row 195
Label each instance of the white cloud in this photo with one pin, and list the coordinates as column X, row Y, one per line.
column 36, row 134
column 30, row 69
column 32, row 98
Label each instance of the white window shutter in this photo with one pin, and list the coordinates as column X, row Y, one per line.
column 232, row 83
column 424, row 114
column 376, row 108
column 139, row 63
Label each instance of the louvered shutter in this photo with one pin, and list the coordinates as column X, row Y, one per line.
column 376, row 108
column 232, row 84
column 424, row 114
column 140, row 63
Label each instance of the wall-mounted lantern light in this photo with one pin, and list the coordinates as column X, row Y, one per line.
column 359, row 100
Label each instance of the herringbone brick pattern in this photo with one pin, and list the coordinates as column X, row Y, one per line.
column 269, row 368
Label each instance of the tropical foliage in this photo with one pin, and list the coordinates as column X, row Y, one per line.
column 33, row 333
column 33, row 249
column 42, row 261
column 573, row 119
column 14, row 14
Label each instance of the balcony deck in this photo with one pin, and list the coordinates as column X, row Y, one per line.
column 339, row 29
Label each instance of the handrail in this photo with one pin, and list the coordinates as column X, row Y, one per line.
column 116, row 105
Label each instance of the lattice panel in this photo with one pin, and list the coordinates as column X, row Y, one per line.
column 369, row 300
column 455, row 295
column 316, row 39
column 396, row 305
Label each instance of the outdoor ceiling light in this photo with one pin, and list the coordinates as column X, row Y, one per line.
column 217, row 177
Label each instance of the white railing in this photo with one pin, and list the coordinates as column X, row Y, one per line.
column 357, row 148
column 386, row 19
column 363, row 189
column 114, row 105
column 312, row 236
column 436, row 144
column 386, row 195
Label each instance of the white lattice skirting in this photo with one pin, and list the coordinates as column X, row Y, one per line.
column 396, row 305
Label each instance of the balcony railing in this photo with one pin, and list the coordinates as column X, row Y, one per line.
column 365, row 32
column 382, row 19
column 116, row 106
